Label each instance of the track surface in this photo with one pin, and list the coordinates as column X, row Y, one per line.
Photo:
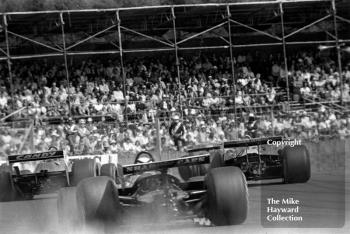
column 321, row 196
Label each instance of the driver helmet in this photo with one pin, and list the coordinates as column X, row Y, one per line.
column 144, row 158
column 251, row 117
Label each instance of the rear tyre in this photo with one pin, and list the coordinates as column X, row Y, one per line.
column 98, row 201
column 69, row 217
column 82, row 169
column 115, row 172
column 7, row 191
column 296, row 164
column 217, row 160
column 187, row 172
column 109, row 170
column 227, row 196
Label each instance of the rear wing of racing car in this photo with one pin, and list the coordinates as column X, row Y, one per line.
column 101, row 158
column 35, row 156
column 185, row 161
column 12, row 159
column 238, row 143
column 36, row 180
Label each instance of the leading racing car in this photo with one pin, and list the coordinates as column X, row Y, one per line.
column 25, row 175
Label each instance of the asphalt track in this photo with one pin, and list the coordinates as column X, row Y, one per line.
column 322, row 197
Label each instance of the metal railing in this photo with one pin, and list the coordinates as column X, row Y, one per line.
column 12, row 114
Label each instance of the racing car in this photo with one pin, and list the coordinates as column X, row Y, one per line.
column 212, row 185
column 151, row 190
column 292, row 164
column 53, row 171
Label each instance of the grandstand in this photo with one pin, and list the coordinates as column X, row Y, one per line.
column 201, row 60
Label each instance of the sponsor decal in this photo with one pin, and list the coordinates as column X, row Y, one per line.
column 35, row 156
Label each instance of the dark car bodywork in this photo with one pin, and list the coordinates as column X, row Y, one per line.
column 256, row 166
column 162, row 181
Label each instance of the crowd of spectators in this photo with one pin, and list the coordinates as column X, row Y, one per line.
column 315, row 77
column 152, row 86
column 97, row 138
column 152, row 89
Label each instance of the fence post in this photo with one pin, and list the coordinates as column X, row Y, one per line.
column 32, row 146
column 272, row 124
column 8, row 59
column 158, row 143
column 122, row 64
column 334, row 12
column 177, row 59
column 65, row 61
column 232, row 62
column 284, row 49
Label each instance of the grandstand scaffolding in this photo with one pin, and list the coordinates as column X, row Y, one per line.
column 228, row 26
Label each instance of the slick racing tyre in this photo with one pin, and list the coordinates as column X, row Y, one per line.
column 109, row 170
column 187, row 172
column 227, row 196
column 98, row 201
column 296, row 164
column 82, row 169
column 7, row 191
column 216, row 160
column 112, row 171
column 69, row 217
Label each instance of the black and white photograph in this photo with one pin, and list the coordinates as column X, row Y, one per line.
column 174, row 116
